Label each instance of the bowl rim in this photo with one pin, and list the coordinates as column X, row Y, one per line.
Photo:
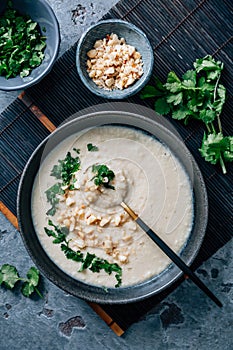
column 48, row 68
column 122, row 93
column 77, row 287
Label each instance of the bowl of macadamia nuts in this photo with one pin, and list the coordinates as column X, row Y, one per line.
column 114, row 59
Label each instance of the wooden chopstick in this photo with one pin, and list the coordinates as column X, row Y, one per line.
column 171, row 254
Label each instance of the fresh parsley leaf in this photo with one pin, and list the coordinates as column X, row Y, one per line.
column 21, row 44
column 103, row 176
column 92, row 148
column 9, row 276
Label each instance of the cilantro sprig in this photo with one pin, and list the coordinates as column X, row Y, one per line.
column 64, row 171
column 66, row 168
column 9, row 276
column 88, row 261
column 217, row 148
column 21, row 44
column 197, row 95
column 92, row 148
column 52, row 198
column 103, row 176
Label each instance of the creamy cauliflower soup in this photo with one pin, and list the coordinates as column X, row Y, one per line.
column 76, row 205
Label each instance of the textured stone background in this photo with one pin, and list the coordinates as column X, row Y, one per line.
column 185, row 320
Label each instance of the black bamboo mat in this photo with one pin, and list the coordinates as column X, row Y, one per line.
column 180, row 31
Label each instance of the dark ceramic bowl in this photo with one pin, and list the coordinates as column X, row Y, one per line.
column 133, row 36
column 41, row 13
column 123, row 294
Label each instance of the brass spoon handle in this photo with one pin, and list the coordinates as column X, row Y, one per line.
column 129, row 211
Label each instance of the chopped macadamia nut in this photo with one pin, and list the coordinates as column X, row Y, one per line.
column 113, row 64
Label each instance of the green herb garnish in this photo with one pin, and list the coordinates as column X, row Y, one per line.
column 31, row 283
column 89, row 261
column 103, row 176
column 66, row 168
column 51, row 195
column 9, row 276
column 217, row 148
column 21, row 44
column 64, row 171
column 92, row 148
column 197, row 95
column 58, row 233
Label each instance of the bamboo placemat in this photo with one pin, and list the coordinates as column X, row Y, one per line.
column 180, row 31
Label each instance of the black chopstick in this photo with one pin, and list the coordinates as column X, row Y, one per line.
column 171, row 254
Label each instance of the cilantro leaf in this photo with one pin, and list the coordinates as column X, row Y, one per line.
column 65, row 168
column 51, row 195
column 27, row 289
column 64, row 171
column 208, row 64
column 197, row 95
column 151, row 91
column 71, row 254
column 181, row 113
column 96, row 264
column 207, row 115
column 172, row 78
column 9, row 276
column 58, row 233
column 103, row 176
column 89, row 261
column 174, row 87
column 162, row 106
column 217, row 148
column 22, row 45
column 190, row 75
column 31, row 282
column 92, row 148
column 176, row 99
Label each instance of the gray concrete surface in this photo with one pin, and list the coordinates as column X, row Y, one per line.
column 185, row 320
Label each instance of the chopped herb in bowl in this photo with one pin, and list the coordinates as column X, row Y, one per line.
column 22, row 44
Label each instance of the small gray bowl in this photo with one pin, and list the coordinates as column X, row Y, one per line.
column 133, row 36
column 40, row 12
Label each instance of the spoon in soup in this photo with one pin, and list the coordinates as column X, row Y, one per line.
column 171, row 254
